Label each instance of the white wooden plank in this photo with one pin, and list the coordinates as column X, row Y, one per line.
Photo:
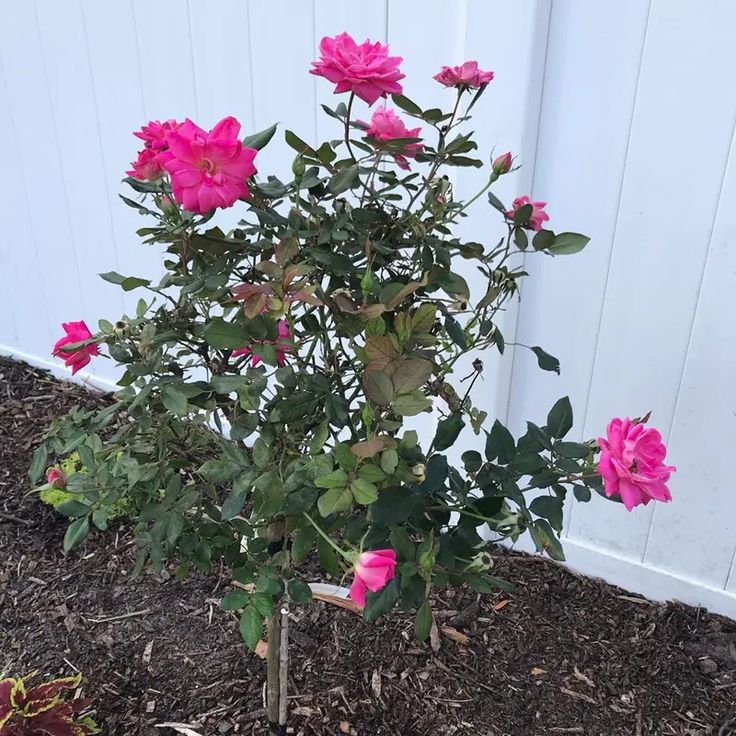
column 37, row 151
column 283, row 89
column 661, row 240
column 78, row 134
column 582, row 144
column 26, row 295
column 704, row 417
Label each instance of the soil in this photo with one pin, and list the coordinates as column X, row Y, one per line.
column 563, row 655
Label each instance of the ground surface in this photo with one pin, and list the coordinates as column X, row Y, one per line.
column 563, row 655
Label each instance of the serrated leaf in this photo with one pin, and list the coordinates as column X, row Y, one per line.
column 261, row 139
column 500, row 444
column 234, row 600
column 345, row 179
column 299, row 590
column 364, row 492
column 251, row 627
column 378, row 387
column 559, row 419
column 409, row 405
column 568, row 243
column 38, row 463
column 447, row 432
column 225, row 335
column 174, row 401
column 75, row 534
column 423, row 622
column 334, row 501
column 381, row 602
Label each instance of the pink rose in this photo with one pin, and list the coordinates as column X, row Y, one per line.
column 502, row 164
column 538, row 215
column 208, row 170
column 465, row 75
column 154, row 134
column 78, row 357
column 386, row 125
column 631, row 463
column 372, row 571
column 56, row 478
column 366, row 70
column 146, row 167
column 281, row 343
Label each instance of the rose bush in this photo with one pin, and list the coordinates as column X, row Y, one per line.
column 268, row 376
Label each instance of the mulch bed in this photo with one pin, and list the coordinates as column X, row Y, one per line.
column 563, row 655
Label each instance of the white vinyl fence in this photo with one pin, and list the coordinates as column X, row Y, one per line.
column 622, row 112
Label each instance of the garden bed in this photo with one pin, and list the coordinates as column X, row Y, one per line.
column 562, row 655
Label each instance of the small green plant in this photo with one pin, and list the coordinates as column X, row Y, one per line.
column 43, row 710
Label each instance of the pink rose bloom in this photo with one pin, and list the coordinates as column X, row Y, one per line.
column 208, row 170
column 154, row 134
column 372, row 571
column 56, row 477
column 79, row 357
column 538, row 216
column 281, row 343
column 386, row 125
column 465, row 75
column 631, row 463
column 146, row 167
column 366, row 70
column 502, row 164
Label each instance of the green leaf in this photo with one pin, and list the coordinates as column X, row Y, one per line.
column 345, row 179
column 363, row 491
column 263, row 603
column 574, row 450
column 411, row 374
column 72, row 508
column 223, row 384
column 559, row 419
column 259, row 140
column 377, row 604
column 582, row 493
column 299, row 590
column 406, row 104
column 76, row 533
column 568, row 243
column 401, row 542
column 456, row 333
column 335, row 501
column 261, row 453
column 423, row 622
column 447, row 432
column 550, row 508
column 174, row 401
column 225, row 335
column 546, row 361
column 133, row 282
column 500, row 444
column 496, row 203
column 389, row 461
column 234, row 503
column 235, row 600
column 378, row 387
column 302, row 543
column 298, row 144
column 472, row 461
column 336, row 479
column 251, row 627
column 328, row 557
column 543, row 239
column 409, row 405
column 38, row 463
column 219, row 470
column 546, row 540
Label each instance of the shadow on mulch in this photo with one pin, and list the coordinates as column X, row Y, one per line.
column 563, row 655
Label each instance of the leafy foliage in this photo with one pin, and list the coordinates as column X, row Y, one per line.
column 42, row 710
column 258, row 463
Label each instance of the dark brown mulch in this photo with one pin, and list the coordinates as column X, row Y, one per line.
column 563, row 655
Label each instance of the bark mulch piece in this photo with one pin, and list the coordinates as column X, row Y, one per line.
column 563, row 655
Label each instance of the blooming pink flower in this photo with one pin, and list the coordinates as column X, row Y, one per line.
column 281, row 343
column 154, row 134
column 538, row 215
column 79, row 357
column 208, row 170
column 372, row 571
column 386, row 125
column 146, row 167
column 631, row 463
column 465, row 75
column 502, row 164
column 56, row 477
column 366, row 69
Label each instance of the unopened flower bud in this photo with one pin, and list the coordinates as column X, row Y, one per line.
column 298, row 168
column 502, row 164
column 168, row 206
column 56, row 477
column 367, row 282
column 418, row 471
